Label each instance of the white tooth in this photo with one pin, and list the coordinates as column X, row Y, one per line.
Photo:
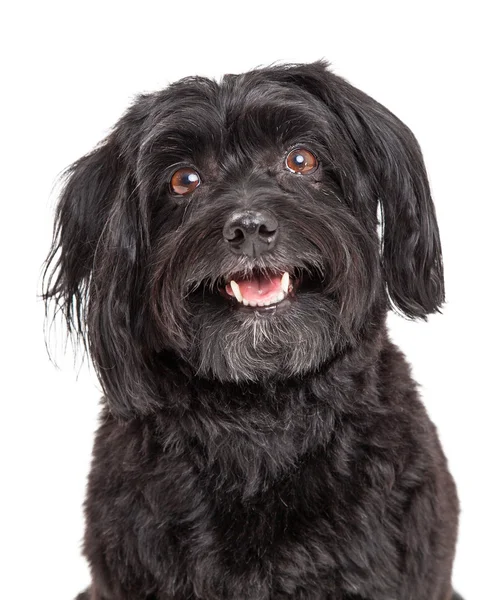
column 261, row 303
column 285, row 282
column 279, row 297
column 267, row 303
column 252, row 303
column 245, row 303
column 236, row 291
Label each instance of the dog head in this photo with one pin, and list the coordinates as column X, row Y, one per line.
column 233, row 228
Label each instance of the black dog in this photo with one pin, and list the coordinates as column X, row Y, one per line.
column 261, row 438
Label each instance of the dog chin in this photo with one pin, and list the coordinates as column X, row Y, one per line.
column 268, row 323
column 239, row 343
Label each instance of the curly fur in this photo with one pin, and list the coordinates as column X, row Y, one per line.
column 248, row 455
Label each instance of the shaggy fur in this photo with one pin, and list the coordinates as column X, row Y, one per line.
column 257, row 454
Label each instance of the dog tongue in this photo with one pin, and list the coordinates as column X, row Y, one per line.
column 258, row 288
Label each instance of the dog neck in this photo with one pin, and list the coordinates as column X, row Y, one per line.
column 249, row 434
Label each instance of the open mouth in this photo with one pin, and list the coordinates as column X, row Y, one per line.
column 260, row 290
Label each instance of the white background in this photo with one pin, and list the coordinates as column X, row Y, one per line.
column 69, row 69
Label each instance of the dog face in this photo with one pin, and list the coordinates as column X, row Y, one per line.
column 233, row 227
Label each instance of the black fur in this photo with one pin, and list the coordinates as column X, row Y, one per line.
column 245, row 454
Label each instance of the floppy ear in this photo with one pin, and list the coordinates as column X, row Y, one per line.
column 411, row 247
column 391, row 161
column 92, row 273
column 91, row 185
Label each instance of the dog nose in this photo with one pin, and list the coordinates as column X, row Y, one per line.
column 251, row 232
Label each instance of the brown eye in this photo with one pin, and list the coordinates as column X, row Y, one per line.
column 301, row 161
column 184, row 181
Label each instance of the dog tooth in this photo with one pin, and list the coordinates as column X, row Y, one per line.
column 261, row 303
column 245, row 302
column 253, row 303
column 280, row 297
column 236, row 291
column 285, row 282
column 267, row 303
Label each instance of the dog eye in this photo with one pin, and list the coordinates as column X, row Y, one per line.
column 301, row 161
column 184, row 181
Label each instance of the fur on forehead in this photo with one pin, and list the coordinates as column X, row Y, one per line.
column 232, row 125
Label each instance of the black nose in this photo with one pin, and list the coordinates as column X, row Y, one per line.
column 251, row 232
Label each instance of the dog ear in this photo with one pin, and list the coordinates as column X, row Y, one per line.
column 391, row 161
column 92, row 273
column 91, row 186
column 411, row 248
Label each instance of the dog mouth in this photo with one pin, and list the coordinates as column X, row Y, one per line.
column 260, row 290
